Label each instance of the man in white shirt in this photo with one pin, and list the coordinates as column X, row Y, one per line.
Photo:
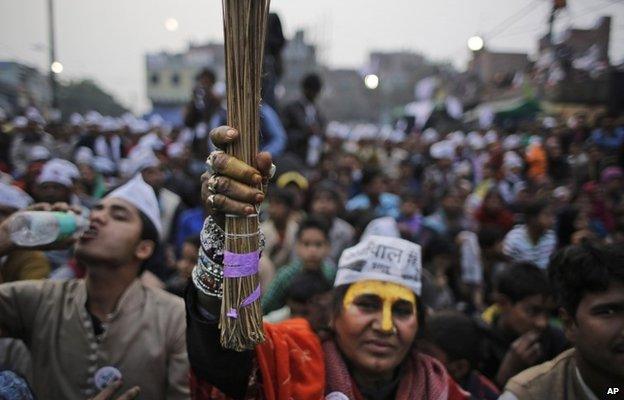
column 534, row 241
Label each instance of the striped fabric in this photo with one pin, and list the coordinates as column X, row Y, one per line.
column 518, row 246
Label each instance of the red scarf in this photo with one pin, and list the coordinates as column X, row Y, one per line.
column 424, row 378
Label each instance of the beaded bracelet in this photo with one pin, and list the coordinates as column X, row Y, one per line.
column 208, row 273
column 210, row 267
column 206, row 285
column 212, row 239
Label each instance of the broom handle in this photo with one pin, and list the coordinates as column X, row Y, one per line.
column 244, row 32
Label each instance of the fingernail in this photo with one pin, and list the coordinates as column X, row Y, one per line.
column 249, row 210
column 256, row 179
column 259, row 198
column 230, row 133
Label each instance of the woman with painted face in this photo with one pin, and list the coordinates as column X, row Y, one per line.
column 376, row 315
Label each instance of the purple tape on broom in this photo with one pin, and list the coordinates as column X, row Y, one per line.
column 240, row 265
column 254, row 296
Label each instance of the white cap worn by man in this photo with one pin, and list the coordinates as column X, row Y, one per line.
column 59, row 171
column 142, row 196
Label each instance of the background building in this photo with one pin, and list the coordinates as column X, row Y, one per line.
column 570, row 69
column 575, row 43
column 344, row 96
column 299, row 59
column 171, row 77
column 22, row 86
column 495, row 68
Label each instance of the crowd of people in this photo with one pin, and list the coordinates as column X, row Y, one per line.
column 430, row 264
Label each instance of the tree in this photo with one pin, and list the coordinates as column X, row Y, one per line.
column 85, row 95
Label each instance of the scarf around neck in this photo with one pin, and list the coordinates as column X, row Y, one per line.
column 423, row 378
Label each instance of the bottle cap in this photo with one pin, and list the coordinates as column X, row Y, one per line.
column 67, row 224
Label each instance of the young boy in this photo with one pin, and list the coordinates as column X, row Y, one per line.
column 589, row 285
column 184, row 266
column 280, row 229
column 326, row 204
column 519, row 334
column 312, row 248
column 410, row 220
column 309, row 297
column 454, row 339
column 534, row 241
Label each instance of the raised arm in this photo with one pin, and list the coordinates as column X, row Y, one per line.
column 229, row 188
column 21, row 301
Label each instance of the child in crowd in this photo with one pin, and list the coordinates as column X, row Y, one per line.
column 535, row 240
column 455, row 340
column 309, row 297
column 326, row 205
column 184, row 266
column 280, row 228
column 519, row 334
column 438, row 275
column 312, row 248
column 297, row 185
column 410, row 220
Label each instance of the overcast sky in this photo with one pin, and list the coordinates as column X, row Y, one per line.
column 106, row 40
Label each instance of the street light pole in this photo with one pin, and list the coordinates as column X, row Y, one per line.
column 52, row 55
column 551, row 23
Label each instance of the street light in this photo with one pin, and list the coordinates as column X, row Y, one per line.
column 475, row 43
column 171, row 24
column 56, row 67
column 371, row 81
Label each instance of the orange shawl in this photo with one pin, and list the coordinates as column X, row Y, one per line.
column 291, row 361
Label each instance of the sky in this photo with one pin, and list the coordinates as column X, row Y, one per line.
column 107, row 40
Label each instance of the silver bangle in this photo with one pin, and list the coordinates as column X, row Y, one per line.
column 198, row 280
column 209, row 266
column 210, row 253
column 207, row 269
column 212, row 237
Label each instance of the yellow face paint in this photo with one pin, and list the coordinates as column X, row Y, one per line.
column 388, row 292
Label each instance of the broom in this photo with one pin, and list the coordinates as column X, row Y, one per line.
column 244, row 26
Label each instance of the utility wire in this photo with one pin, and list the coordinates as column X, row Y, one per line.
column 527, row 28
column 571, row 17
column 509, row 21
column 590, row 10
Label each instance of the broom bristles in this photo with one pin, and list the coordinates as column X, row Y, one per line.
column 244, row 25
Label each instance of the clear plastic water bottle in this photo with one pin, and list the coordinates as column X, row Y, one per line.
column 38, row 228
